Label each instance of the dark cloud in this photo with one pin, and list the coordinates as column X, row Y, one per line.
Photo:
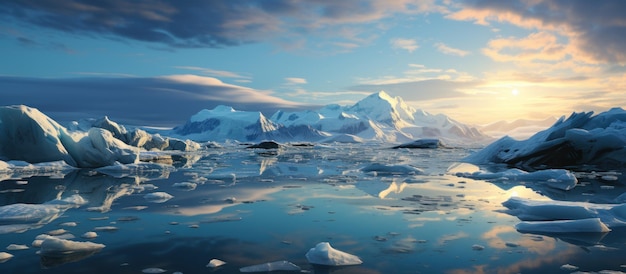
column 141, row 101
column 196, row 23
column 421, row 90
column 597, row 27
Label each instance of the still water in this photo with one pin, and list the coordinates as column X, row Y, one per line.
column 248, row 207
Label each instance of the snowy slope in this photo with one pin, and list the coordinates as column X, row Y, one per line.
column 581, row 139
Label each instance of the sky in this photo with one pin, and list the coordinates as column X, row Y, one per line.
column 154, row 62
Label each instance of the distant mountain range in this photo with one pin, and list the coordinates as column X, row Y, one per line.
column 520, row 128
column 378, row 117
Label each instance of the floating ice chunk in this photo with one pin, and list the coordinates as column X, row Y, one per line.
column 392, row 169
column 55, row 247
column 569, row 267
column 564, row 226
column 271, row 266
column 213, row 263
column 90, row 235
column 57, row 232
column 153, row 270
column 324, row 254
column 529, row 210
column 185, row 186
column 477, row 247
column 158, row 197
column 106, row 228
column 16, row 247
column 69, row 224
column 5, row 257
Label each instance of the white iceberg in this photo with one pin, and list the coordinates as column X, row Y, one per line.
column 271, row 266
column 16, row 247
column 324, row 254
column 565, row 216
column 153, row 270
column 29, row 135
column 213, row 263
column 581, row 139
column 5, row 257
column 53, row 247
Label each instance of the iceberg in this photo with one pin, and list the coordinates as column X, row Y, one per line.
column 213, row 263
column 594, row 225
column 27, row 134
column 55, row 251
column 422, row 143
column 581, row 139
column 158, row 197
column 324, row 254
column 271, row 266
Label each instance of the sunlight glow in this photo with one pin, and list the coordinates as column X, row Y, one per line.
column 515, row 92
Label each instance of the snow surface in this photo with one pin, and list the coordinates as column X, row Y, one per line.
column 581, row 139
column 324, row 254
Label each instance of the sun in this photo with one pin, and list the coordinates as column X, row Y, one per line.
column 514, row 92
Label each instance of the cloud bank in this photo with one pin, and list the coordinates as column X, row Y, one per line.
column 156, row 101
column 209, row 24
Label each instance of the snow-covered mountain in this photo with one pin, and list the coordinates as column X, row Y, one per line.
column 225, row 123
column 381, row 117
column 378, row 117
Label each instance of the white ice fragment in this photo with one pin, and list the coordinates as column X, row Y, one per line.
column 609, row 178
column 158, row 197
column 36, row 243
column 55, row 247
column 477, row 247
column 135, row 208
column 105, row 228
column 90, row 235
column 69, row 224
column 16, row 247
column 564, row 226
column 213, row 263
column 185, row 186
column 5, row 257
column 271, row 266
column 324, row 254
column 569, row 267
column 57, row 232
column 153, row 270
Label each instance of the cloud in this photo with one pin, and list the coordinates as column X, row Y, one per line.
column 420, row 90
column 541, row 46
column 295, row 81
column 445, row 49
column 596, row 29
column 211, row 24
column 214, row 73
column 159, row 101
column 409, row 45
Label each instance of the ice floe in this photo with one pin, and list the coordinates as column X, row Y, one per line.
column 55, row 251
column 4, row 256
column 324, row 254
column 564, row 216
column 271, row 266
column 554, row 178
column 213, row 263
column 16, row 247
column 153, row 270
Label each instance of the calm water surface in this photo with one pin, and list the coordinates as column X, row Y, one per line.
column 253, row 206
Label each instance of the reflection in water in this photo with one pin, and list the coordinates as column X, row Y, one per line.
column 249, row 209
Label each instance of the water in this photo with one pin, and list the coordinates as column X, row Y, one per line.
column 253, row 206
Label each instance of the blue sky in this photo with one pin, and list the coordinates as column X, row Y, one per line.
column 158, row 62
